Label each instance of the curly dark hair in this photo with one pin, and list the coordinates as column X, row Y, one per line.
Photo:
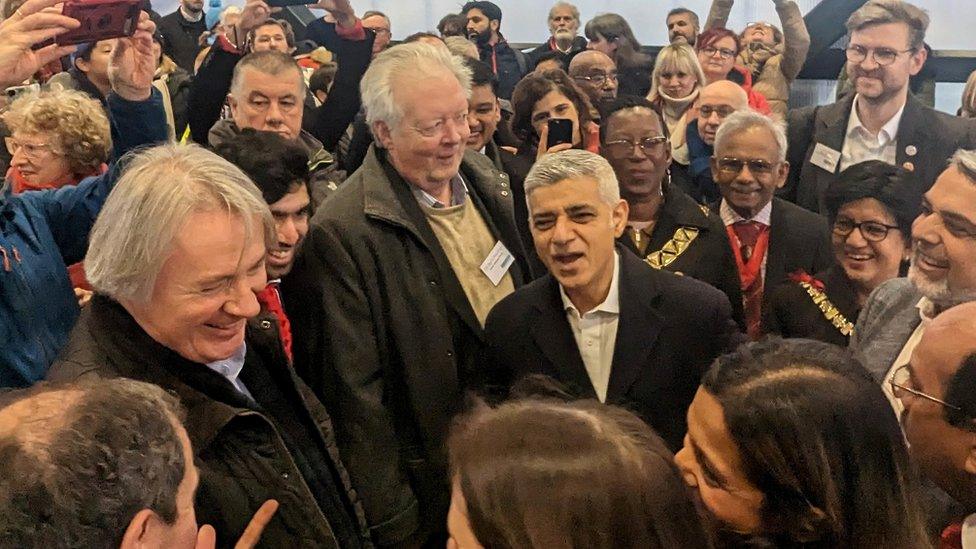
column 534, row 87
column 77, row 471
column 276, row 165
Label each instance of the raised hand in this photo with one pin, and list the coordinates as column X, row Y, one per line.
column 31, row 24
column 253, row 14
column 133, row 64
column 207, row 537
column 544, row 141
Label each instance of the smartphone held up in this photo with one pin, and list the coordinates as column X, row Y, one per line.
column 100, row 20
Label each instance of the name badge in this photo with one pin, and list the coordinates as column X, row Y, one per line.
column 825, row 157
column 497, row 263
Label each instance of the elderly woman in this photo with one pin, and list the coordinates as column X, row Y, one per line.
column 665, row 226
column 772, row 56
column 871, row 207
column 57, row 138
column 515, row 485
column 717, row 50
column 675, row 83
column 791, row 443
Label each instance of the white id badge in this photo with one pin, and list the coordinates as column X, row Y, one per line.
column 497, row 263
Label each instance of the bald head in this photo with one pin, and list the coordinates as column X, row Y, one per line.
column 952, row 334
column 596, row 74
column 716, row 102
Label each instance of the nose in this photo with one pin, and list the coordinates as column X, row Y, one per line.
column 684, row 460
column 243, row 302
column 472, row 121
column 274, row 116
column 924, row 228
column 562, row 233
column 287, row 231
column 856, row 239
column 714, row 119
column 609, row 84
column 591, row 45
column 19, row 159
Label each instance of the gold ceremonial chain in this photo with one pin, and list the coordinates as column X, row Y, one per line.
column 830, row 312
column 672, row 249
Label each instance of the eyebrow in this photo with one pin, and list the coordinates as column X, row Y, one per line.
column 222, row 277
column 707, row 465
column 958, row 218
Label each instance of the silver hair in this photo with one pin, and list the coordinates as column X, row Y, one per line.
column 462, row 47
column 675, row 57
column 573, row 9
column 152, row 201
column 574, row 164
column 272, row 63
column 413, row 61
column 743, row 120
column 880, row 12
column 965, row 161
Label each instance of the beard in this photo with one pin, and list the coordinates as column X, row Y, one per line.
column 938, row 292
column 482, row 37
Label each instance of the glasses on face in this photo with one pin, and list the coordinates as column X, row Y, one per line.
column 31, row 151
column 763, row 24
column 872, row 231
column 724, row 53
column 882, row 56
column 598, row 79
column 647, row 145
column 732, row 166
column 723, row 111
column 901, row 387
column 434, row 129
column 380, row 31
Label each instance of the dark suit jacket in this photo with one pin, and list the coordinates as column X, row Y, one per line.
column 516, row 168
column 670, row 330
column 789, row 311
column 934, row 136
column 798, row 239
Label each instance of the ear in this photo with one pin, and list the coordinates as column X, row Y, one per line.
column 494, row 24
column 714, row 165
column 498, row 111
column 970, row 465
column 782, row 173
column 383, row 134
column 619, row 217
column 139, row 533
column 917, row 61
column 82, row 65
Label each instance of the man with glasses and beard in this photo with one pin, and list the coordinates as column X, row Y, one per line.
column 881, row 121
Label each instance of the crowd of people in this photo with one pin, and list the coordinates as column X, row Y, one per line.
column 345, row 292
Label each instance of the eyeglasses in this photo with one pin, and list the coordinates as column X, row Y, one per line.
column 723, row 111
column 621, row 147
column 872, row 231
column 31, row 151
column 724, row 53
column 882, row 56
column 598, row 79
column 900, row 381
column 732, row 166
column 380, row 31
column 434, row 129
column 759, row 24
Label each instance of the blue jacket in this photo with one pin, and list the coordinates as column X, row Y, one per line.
column 43, row 231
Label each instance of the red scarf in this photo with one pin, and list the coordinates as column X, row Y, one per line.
column 20, row 184
column 271, row 300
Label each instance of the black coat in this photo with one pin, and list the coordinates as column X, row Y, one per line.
column 670, row 330
column 241, row 449
column 709, row 257
column 384, row 333
column 634, row 75
column 182, row 38
column 516, row 167
column 789, row 311
column 579, row 44
column 508, row 64
column 931, row 136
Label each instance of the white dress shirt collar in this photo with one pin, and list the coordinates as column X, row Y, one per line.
column 230, row 368
column 888, row 132
column 731, row 217
column 611, row 304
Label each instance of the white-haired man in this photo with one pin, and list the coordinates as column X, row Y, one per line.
column 177, row 257
column 564, row 23
column 602, row 322
column 400, row 268
column 882, row 121
column 770, row 238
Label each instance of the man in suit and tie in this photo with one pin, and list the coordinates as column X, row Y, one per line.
column 770, row 237
column 882, row 120
column 602, row 323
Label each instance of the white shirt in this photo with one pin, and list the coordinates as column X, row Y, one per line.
column 731, row 217
column 230, row 368
column 861, row 145
column 596, row 332
column 905, row 356
column 969, row 532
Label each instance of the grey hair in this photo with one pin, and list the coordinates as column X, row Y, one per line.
column 682, row 11
column 965, row 161
column 573, row 9
column 743, row 120
column 679, row 57
column 574, row 164
column 152, row 201
column 415, row 61
column 84, row 458
column 272, row 63
column 880, row 12
column 462, row 47
column 968, row 107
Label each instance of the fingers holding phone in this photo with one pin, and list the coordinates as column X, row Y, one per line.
column 133, row 63
column 22, row 37
column 557, row 135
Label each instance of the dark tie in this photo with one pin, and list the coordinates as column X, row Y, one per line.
column 748, row 234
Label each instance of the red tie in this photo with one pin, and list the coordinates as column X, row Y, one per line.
column 271, row 300
column 747, row 232
column 951, row 537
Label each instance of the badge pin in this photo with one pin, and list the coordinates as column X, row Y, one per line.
column 911, row 150
column 909, row 166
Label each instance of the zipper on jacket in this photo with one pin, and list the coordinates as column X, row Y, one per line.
column 6, row 259
column 16, row 254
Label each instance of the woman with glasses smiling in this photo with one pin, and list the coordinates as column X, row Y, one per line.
column 717, row 50
column 871, row 207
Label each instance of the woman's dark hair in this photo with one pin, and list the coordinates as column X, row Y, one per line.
column 534, row 87
column 624, row 102
column 453, row 24
column 613, row 27
column 890, row 185
column 275, row 164
column 714, row 34
column 556, row 475
column 819, row 439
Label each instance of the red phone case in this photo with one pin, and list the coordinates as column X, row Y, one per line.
column 100, row 20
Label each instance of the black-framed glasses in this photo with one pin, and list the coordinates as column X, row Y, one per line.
column 724, row 53
column 872, row 231
column 901, row 380
column 723, row 111
column 620, row 147
column 882, row 56
column 732, row 166
column 597, row 79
